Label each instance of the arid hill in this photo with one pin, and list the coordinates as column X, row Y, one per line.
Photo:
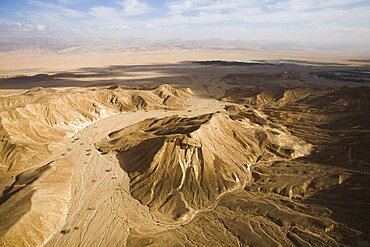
column 209, row 154
column 36, row 122
column 193, row 161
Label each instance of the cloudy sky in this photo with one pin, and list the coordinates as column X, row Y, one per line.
column 270, row 20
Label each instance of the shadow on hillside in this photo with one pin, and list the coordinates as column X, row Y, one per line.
column 349, row 204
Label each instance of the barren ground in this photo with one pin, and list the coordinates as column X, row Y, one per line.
column 154, row 151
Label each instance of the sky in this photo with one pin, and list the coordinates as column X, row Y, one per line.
column 318, row 21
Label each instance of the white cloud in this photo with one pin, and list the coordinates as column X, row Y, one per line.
column 129, row 8
column 186, row 6
column 25, row 26
column 108, row 27
column 134, row 7
column 10, row 26
column 292, row 20
column 183, row 7
column 40, row 28
column 149, row 25
column 103, row 12
column 300, row 13
column 57, row 9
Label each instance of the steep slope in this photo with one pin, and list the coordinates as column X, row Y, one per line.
column 326, row 99
column 35, row 124
column 42, row 148
column 181, row 166
column 264, row 97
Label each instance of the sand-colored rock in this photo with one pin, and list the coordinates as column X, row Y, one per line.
column 180, row 166
column 185, row 155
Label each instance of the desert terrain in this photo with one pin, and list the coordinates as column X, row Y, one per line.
column 171, row 149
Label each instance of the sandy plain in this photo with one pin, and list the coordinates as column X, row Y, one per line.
column 156, row 150
column 31, row 64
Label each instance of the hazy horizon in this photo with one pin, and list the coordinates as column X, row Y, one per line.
column 318, row 22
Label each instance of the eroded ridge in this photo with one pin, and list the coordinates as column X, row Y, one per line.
column 260, row 167
column 179, row 166
column 34, row 122
column 41, row 128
